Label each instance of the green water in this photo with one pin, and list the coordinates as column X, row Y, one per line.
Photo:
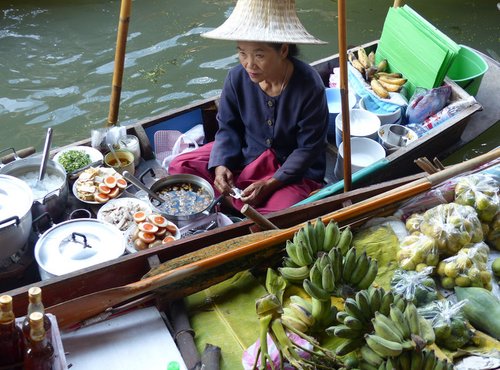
column 56, row 57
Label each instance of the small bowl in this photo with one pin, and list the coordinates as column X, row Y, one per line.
column 383, row 132
column 364, row 152
column 334, row 102
column 362, row 123
column 126, row 158
column 385, row 118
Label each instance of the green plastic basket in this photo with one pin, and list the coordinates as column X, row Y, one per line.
column 468, row 69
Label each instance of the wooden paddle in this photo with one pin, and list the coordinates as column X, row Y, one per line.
column 75, row 310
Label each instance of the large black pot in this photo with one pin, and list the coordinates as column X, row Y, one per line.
column 53, row 202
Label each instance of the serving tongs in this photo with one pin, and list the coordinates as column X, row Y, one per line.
column 134, row 180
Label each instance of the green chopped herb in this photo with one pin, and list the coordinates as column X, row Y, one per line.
column 74, row 159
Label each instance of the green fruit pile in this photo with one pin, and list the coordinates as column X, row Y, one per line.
column 467, row 268
column 417, row 287
column 495, row 267
column 480, row 192
column 417, row 251
column 493, row 234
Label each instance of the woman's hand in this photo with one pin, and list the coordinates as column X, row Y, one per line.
column 223, row 179
column 259, row 191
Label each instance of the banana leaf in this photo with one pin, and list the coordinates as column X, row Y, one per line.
column 224, row 315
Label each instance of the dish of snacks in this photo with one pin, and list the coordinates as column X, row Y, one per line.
column 150, row 231
column 76, row 157
column 120, row 211
column 98, row 185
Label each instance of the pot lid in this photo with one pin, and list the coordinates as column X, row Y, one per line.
column 76, row 244
column 16, row 197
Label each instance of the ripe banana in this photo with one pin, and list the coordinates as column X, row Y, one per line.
column 332, row 236
column 379, row 89
column 345, row 240
column 393, row 74
column 382, row 65
column 370, row 356
column 391, row 80
column 315, row 291
column 301, row 313
column 294, row 274
column 363, row 58
column 383, row 347
column 389, row 86
column 295, row 323
column 371, row 57
column 370, row 275
column 356, row 63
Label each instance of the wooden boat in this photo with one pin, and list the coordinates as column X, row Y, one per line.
column 399, row 165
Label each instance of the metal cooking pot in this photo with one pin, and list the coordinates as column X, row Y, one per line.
column 76, row 244
column 180, row 179
column 16, row 200
column 54, row 202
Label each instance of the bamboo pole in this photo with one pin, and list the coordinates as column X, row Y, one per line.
column 121, row 42
column 344, row 95
column 398, row 3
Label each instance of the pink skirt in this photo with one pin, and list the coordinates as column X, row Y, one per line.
column 264, row 167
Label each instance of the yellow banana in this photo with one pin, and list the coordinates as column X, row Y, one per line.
column 392, row 80
column 363, row 58
column 388, row 86
column 295, row 323
column 382, row 65
column 371, row 57
column 383, row 347
column 379, row 89
column 393, row 74
column 301, row 313
column 356, row 63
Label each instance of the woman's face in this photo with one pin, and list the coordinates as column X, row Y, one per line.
column 261, row 61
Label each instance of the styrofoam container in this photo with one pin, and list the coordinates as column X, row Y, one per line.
column 361, row 122
column 385, row 119
column 364, row 152
column 334, row 102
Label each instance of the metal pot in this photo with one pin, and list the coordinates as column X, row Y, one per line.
column 16, row 200
column 76, row 244
column 53, row 202
column 183, row 179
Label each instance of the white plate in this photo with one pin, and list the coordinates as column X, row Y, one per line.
column 103, row 172
column 93, row 153
column 126, row 203
column 130, row 244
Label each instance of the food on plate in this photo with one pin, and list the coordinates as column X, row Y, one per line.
column 72, row 160
column 152, row 231
column 122, row 213
column 95, row 185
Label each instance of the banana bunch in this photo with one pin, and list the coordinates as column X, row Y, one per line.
column 381, row 82
column 414, row 360
column 308, row 243
column 298, row 314
column 356, row 319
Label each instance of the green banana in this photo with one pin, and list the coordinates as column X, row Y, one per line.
column 370, row 356
column 349, row 264
column 323, row 261
column 363, row 303
column 315, row 291
column 336, row 261
column 315, row 275
column 400, row 321
column 328, row 279
column 342, row 316
column 367, row 366
column 382, row 346
column 383, row 330
column 311, row 237
column 426, row 330
column 301, row 302
column 343, row 331
column 288, row 262
column 295, row 323
column 345, row 240
column 385, row 304
column 412, row 315
column 370, row 275
column 375, row 298
column 304, row 253
column 294, row 274
column 416, row 360
column 362, row 265
column 301, row 313
column 332, row 236
column 353, row 323
column 400, row 302
column 349, row 345
column 291, row 251
column 352, row 308
column 404, row 361
column 319, row 233
column 429, row 360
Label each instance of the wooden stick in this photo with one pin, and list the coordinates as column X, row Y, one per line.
column 256, row 217
column 398, row 3
column 184, row 334
column 78, row 309
column 121, row 41
column 344, row 95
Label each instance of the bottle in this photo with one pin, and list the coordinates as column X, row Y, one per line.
column 35, row 305
column 11, row 336
column 39, row 352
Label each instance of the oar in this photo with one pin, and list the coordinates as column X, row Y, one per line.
column 121, row 42
column 75, row 310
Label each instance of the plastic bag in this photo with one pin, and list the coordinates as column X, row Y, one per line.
column 413, row 222
column 449, row 323
column 418, row 287
column 453, row 226
column 467, row 268
column 183, row 144
column 493, row 233
column 480, row 192
column 417, row 251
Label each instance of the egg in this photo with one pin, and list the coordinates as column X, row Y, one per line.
column 110, row 181
column 161, row 232
column 167, row 239
column 103, row 189
column 140, row 245
column 121, row 183
column 148, row 227
column 139, row 216
column 114, row 192
column 101, row 198
column 158, row 220
column 171, row 228
column 146, row 237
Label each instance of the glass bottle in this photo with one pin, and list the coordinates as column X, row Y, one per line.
column 35, row 305
column 11, row 336
column 39, row 353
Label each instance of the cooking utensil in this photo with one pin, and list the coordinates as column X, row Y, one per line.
column 134, row 180
column 78, row 309
column 45, row 154
column 118, row 162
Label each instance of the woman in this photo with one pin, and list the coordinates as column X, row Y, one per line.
column 272, row 116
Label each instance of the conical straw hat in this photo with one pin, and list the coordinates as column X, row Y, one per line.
column 264, row 21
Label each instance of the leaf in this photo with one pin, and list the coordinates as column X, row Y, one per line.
column 275, row 284
column 224, row 315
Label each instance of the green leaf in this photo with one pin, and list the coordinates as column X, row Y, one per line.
column 224, row 315
column 275, row 284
